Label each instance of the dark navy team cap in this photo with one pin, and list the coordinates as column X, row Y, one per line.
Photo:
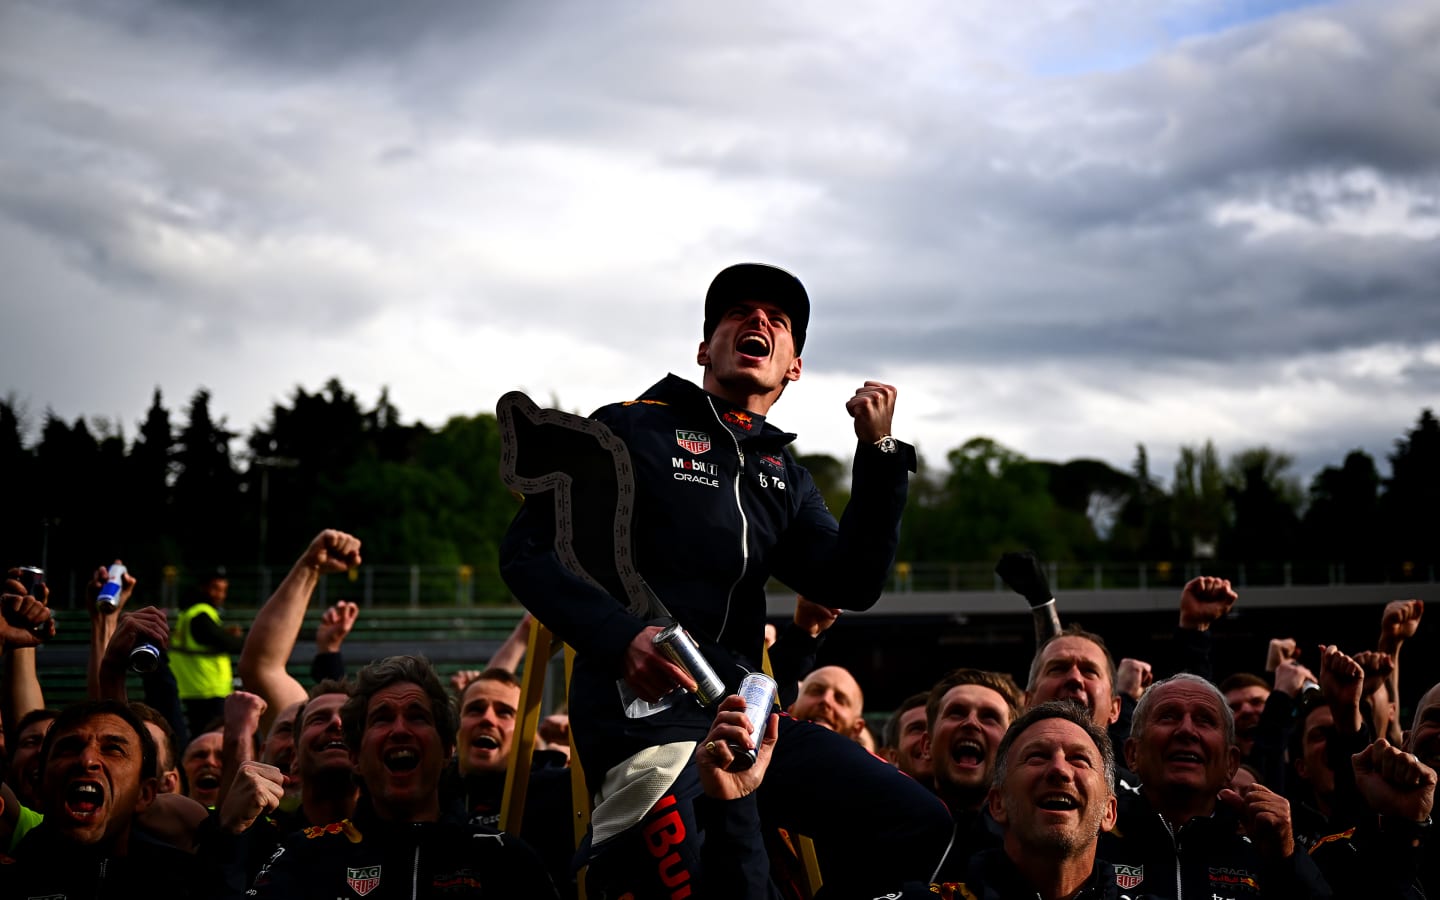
column 756, row 281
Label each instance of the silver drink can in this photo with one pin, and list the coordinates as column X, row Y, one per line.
column 144, row 658
column 759, row 691
column 684, row 651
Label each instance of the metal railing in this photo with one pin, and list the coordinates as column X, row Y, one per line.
column 1108, row 576
column 419, row 586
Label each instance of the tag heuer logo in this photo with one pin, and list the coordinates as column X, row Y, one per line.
column 697, row 442
column 1129, row 876
column 363, row 880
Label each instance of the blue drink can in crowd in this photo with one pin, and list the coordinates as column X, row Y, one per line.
column 759, row 691
column 109, row 599
column 145, row 658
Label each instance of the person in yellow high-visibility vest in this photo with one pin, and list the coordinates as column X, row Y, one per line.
column 200, row 649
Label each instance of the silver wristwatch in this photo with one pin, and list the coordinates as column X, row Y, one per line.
column 887, row 444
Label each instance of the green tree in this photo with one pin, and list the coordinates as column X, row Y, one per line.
column 1342, row 521
column 830, row 479
column 1143, row 530
column 1264, row 525
column 1412, row 494
column 296, row 463
column 992, row 500
column 150, row 474
column 1198, row 501
column 207, row 490
column 74, row 498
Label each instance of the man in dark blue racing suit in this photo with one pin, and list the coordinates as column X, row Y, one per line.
column 720, row 508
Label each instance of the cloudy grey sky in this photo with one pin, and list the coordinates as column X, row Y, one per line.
column 1070, row 225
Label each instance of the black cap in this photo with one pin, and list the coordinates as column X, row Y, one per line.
column 756, row 281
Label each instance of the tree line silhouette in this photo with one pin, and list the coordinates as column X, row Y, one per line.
column 180, row 494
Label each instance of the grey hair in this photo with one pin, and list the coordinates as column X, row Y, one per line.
column 1143, row 709
column 1070, row 711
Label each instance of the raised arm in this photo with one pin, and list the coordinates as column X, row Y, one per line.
column 1203, row 602
column 146, row 625
column 277, row 625
column 512, row 652
column 25, row 623
column 1398, row 623
column 334, row 627
column 845, row 565
column 103, row 623
column 1022, row 573
column 792, row 656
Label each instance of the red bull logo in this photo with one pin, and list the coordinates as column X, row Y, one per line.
column 739, row 419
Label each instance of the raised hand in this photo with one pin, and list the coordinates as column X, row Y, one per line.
column 1280, row 650
column 1291, row 678
column 97, row 581
column 713, row 755
column 243, row 711
column 1398, row 622
column 1205, row 600
column 257, row 789
column 335, row 626
column 462, row 677
column 1023, row 573
column 332, row 551
column 1376, row 666
column 1266, row 817
column 873, row 409
column 1132, row 677
column 812, row 617
column 1393, row 782
column 147, row 625
column 25, row 620
column 1341, row 681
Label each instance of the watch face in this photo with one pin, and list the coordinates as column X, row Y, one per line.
column 887, row 444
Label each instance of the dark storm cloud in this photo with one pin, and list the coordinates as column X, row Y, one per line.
column 1213, row 212
column 320, row 35
column 1092, row 240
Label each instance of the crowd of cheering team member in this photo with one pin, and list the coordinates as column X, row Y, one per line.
column 399, row 726
column 722, row 507
column 98, row 774
column 1297, row 785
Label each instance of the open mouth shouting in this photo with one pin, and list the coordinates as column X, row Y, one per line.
column 753, row 344
column 84, row 799
column 401, row 760
column 208, row 779
column 967, row 753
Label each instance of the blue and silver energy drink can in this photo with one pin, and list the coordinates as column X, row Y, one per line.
column 109, row 599
column 145, row 658
column 759, row 691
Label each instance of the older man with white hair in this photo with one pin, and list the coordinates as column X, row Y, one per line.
column 1180, row 831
